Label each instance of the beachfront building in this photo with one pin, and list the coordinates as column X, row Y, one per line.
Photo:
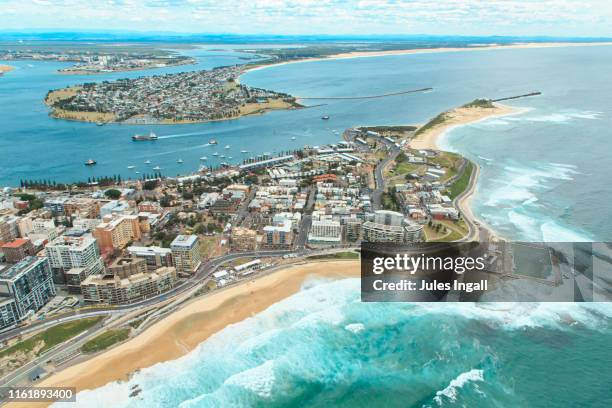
column 279, row 235
column 114, row 290
column 390, row 226
column 155, row 257
column 186, row 253
column 24, row 289
column 325, row 231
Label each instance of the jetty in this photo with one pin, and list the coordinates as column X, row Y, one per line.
column 368, row 96
column 517, row 96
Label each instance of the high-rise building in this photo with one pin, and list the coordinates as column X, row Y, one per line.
column 186, row 253
column 325, row 231
column 74, row 252
column 278, row 236
column 24, row 288
column 118, row 232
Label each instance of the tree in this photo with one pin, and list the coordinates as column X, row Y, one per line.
column 112, row 194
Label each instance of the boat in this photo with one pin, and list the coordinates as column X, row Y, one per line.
column 131, row 167
column 244, row 151
column 156, row 168
column 212, row 142
column 150, row 136
column 179, row 161
column 90, row 162
column 99, row 123
column 203, row 158
column 325, row 117
column 147, row 162
column 293, row 138
column 227, row 146
column 230, row 157
column 222, row 156
column 215, row 154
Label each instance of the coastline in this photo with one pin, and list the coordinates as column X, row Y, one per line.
column 369, row 54
column 430, row 140
column 183, row 330
column 70, row 71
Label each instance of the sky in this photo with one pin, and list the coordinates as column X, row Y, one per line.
column 570, row 18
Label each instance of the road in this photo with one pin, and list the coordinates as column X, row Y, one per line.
column 377, row 194
column 203, row 271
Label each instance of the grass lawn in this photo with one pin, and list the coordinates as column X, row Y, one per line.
column 337, row 255
column 105, row 340
column 51, row 337
column 461, row 184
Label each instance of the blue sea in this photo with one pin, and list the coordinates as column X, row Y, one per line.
column 324, row 348
column 545, row 176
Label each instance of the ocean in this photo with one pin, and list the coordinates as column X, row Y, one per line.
column 322, row 347
column 544, row 171
column 544, row 176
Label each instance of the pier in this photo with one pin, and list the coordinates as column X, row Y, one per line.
column 517, row 96
column 366, row 97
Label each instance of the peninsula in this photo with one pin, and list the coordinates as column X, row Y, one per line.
column 187, row 97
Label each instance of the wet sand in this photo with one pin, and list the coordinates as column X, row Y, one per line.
column 183, row 330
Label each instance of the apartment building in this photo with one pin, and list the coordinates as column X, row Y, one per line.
column 24, row 289
column 186, row 253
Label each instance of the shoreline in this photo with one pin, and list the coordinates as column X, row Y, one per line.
column 69, row 71
column 458, row 117
column 184, row 329
column 370, row 54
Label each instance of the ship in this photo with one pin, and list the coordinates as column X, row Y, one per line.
column 90, row 162
column 139, row 138
column 157, row 168
column 227, row 146
column 203, row 158
column 179, row 161
column 147, row 162
column 215, row 154
column 131, row 167
column 212, row 142
column 325, row 117
column 244, row 151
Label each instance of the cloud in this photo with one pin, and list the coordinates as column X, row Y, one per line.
column 466, row 17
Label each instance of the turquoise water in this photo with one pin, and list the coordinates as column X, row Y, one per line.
column 322, row 347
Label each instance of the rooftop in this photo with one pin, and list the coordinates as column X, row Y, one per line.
column 20, row 267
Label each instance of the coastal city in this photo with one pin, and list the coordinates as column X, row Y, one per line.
column 305, row 204
column 107, row 256
column 95, row 62
column 173, row 98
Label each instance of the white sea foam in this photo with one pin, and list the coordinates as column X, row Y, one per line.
column 558, row 117
column 355, row 327
column 259, row 380
column 462, row 379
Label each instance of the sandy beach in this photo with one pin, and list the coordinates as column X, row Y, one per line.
column 5, row 68
column 459, row 117
column 369, row 54
column 183, row 330
column 453, row 118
